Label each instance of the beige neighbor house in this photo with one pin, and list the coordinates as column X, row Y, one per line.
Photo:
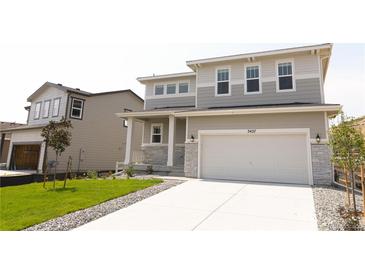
column 258, row 116
column 98, row 136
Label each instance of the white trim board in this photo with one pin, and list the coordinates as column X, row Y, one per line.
column 294, row 131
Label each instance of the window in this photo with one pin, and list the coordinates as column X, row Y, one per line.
column 56, row 107
column 46, row 108
column 252, row 79
column 159, row 90
column 222, row 87
column 171, row 89
column 285, row 76
column 183, row 87
column 156, row 133
column 37, row 111
column 77, row 108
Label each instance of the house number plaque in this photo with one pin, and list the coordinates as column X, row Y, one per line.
column 251, row 131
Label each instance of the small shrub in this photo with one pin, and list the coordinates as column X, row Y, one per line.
column 92, row 174
column 149, row 170
column 129, row 171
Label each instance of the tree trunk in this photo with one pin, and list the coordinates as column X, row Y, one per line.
column 46, row 167
column 347, row 201
column 353, row 191
column 55, row 171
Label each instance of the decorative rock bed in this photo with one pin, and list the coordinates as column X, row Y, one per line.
column 327, row 201
column 78, row 218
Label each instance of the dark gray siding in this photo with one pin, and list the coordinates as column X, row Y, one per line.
column 170, row 102
column 307, row 91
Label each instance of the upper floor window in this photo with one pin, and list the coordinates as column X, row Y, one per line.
column 183, row 87
column 156, row 133
column 252, row 84
column 222, row 85
column 159, row 90
column 285, row 76
column 37, row 111
column 77, row 106
column 171, row 89
column 56, row 107
column 46, row 108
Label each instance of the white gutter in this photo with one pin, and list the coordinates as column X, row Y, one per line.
column 216, row 112
column 257, row 111
column 166, row 76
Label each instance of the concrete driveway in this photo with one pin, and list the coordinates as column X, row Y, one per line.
column 217, row 205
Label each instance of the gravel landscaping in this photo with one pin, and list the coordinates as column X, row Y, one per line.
column 78, row 218
column 327, row 202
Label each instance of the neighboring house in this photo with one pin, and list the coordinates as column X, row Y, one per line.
column 5, row 139
column 258, row 116
column 98, row 136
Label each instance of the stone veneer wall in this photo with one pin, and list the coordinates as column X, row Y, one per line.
column 191, row 160
column 157, row 155
column 321, row 164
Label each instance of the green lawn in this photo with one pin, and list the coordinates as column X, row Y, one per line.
column 26, row 205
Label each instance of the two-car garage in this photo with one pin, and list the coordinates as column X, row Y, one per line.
column 275, row 155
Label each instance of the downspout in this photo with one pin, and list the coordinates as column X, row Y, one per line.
column 2, row 144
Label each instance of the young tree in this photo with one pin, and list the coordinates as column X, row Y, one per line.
column 348, row 149
column 57, row 135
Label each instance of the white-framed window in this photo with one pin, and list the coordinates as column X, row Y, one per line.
column 156, row 133
column 171, row 89
column 37, row 110
column 56, row 107
column 285, row 75
column 222, row 83
column 253, row 79
column 184, row 87
column 46, row 107
column 159, row 89
column 77, row 106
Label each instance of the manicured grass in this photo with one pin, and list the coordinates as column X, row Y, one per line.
column 26, row 205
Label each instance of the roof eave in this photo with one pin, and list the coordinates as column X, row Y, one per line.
column 193, row 64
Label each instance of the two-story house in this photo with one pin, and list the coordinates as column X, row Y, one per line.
column 98, row 136
column 257, row 116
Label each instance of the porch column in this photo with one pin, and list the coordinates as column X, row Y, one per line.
column 171, row 144
column 41, row 157
column 2, row 144
column 128, row 149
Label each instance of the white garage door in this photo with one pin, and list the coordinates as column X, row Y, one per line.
column 267, row 158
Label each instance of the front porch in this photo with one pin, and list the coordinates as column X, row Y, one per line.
column 163, row 143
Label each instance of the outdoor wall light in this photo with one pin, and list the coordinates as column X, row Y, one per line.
column 318, row 138
column 192, row 138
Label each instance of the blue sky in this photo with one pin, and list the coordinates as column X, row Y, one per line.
column 97, row 68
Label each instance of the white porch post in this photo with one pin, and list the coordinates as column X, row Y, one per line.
column 171, row 145
column 128, row 149
column 41, row 157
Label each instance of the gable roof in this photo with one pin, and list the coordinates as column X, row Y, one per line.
column 78, row 91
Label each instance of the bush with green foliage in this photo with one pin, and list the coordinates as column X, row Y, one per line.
column 92, row 174
column 129, row 171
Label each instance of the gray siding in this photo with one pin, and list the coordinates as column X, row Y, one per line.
column 178, row 100
column 307, row 91
column 312, row 120
column 182, row 101
column 180, row 130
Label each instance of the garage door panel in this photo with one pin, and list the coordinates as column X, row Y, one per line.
column 267, row 158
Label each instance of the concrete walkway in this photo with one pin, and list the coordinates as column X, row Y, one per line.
column 217, row 205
